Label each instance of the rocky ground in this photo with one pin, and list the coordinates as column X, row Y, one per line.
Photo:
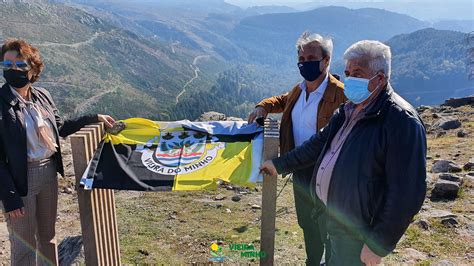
column 180, row 227
column 443, row 232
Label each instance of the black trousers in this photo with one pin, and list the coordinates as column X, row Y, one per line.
column 312, row 219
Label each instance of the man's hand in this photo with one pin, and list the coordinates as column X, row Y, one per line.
column 269, row 169
column 18, row 213
column 108, row 120
column 258, row 112
column 368, row 257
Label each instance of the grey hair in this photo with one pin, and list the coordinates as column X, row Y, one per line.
column 307, row 38
column 378, row 55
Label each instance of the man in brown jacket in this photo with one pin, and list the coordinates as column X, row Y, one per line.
column 306, row 109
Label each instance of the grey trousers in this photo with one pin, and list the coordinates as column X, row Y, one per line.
column 33, row 237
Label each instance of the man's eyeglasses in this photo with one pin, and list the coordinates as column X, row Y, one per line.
column 20, row 65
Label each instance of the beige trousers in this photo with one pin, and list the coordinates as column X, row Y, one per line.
column 33, row 237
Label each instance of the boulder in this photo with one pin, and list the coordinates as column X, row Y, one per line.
column 449, row 222
column 422, row 108
column 448, row 111
column 231, row 118
column 212, row 116
column 215, row 116
column 450, row 177
column 457, row 102
column 443, row 263
column 423, row 224
column 469, row 165
column 461, row 134
column 443, row 166
column 439, row 214
column 220, row 197
column 448, row 122
column 413, row 255
column 256, row 207
column 445, row 190
column 236, row 198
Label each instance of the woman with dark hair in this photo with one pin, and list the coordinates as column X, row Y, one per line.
column 30, row 155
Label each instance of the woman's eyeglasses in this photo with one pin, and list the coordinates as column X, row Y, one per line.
column 20, row 65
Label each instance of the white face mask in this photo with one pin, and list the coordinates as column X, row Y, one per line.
column 357, row 89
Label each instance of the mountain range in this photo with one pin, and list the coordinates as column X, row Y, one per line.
column 92, row 65
column 431, row 64
column 159, row 59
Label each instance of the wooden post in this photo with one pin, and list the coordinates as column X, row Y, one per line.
column 267, row 234
column 97, row 206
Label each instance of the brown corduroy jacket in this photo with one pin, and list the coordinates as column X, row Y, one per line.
column 332, row 98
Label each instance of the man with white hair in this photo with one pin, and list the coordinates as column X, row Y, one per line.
column 306, row 109
column 370, row 161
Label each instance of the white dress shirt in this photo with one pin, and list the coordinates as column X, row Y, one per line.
column 35, row 149
column 305, row 112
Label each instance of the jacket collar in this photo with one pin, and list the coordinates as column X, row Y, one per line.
column 12, row 99
column 34, row 93
column 7, row 95
column 331, row 89
column 377, row 107
column 333, row 85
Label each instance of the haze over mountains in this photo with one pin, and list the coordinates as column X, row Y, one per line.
column 177, row 59
column 429, row 65
column 422, row 9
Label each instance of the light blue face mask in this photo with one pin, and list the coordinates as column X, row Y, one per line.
column 357, row 89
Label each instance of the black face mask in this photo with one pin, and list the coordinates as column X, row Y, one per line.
column 16, row 78
column 310, row 70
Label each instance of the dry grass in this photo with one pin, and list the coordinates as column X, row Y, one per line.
column 179, row 227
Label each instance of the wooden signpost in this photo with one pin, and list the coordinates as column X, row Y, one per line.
column 267, row 233
column 97, row 206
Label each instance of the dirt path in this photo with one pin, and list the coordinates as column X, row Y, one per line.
column 173, row 45
column 196, row 75
column 89, row 102
column 72, row 45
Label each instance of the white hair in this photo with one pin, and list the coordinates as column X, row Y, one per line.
column 378, row 55
column 310, row 39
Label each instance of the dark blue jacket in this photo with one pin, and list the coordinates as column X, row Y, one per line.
column 378, row 183
column 13, row 154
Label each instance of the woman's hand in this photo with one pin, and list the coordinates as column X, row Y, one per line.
column 108, row 120
column 18, row 213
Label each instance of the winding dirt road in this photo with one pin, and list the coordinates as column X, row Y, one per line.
column 87, row 103
column 196, row 75
column 72, row 45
